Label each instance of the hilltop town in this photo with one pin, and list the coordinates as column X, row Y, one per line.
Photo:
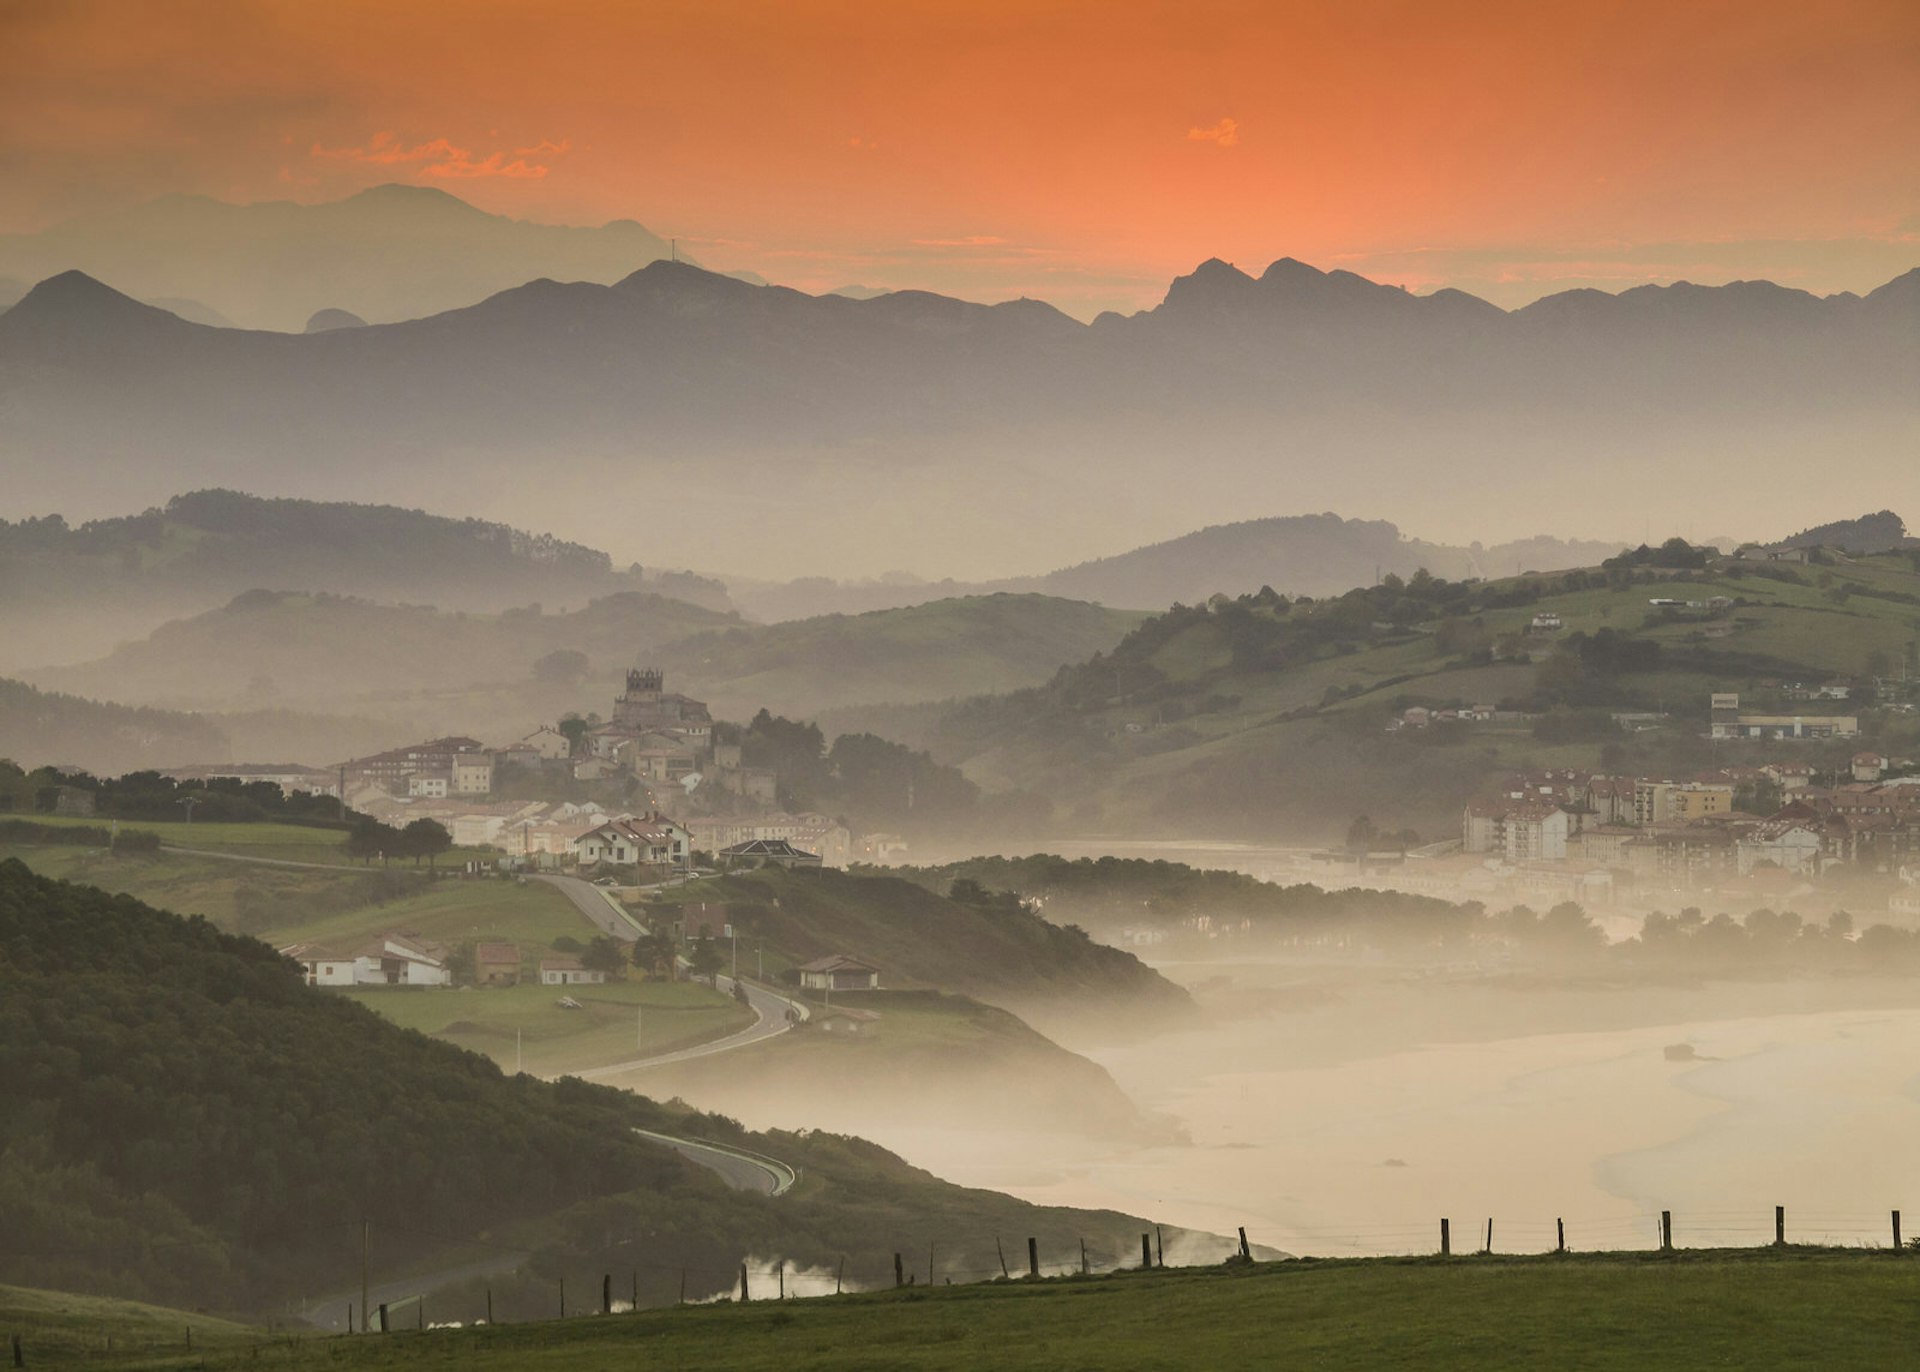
column 650, row 785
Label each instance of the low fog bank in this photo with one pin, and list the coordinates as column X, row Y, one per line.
column 1369, row 1062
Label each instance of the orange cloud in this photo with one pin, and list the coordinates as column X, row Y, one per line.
column 462, row 167
column 384, row 150
column 446, row 160
column 1226, row 133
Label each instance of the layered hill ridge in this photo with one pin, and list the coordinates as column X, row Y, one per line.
column 788, row 416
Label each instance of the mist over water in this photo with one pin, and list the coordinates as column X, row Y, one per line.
column 1337, row 1129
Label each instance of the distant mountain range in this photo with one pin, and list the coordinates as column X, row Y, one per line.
column 392, row 252
column 791, row 420
column 1294, row 554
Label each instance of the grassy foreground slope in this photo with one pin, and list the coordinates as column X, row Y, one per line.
column 59, row 1329
column 1800, row 1309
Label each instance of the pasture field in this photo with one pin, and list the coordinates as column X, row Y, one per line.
column 1794, row 1308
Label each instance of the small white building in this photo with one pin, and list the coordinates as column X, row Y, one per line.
column 548, row 743
column 322, row 967
column 563, row 970
column 389, row 960
column 838, row 973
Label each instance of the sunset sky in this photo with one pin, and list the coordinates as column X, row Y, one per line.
column 1083, row 153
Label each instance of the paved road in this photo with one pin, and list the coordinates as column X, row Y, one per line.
column 742, row 1170
column 770, row 1019
column 606, row 913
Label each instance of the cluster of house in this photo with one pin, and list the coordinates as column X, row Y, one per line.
column 400, row 959
column 1688, row 831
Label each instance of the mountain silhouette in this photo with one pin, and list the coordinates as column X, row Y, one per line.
column 391, row 252
column 1294, row 389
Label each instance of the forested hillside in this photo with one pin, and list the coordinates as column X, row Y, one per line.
column 40, row 727
column 186, row 1121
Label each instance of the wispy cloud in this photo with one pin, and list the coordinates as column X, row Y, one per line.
column 978, row 240
column 1226, row 133
column 442, row 158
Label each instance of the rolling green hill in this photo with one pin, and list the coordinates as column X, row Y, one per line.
column 991, row 949
column 188, row 1122
column 48, row 727
column 1261, row 716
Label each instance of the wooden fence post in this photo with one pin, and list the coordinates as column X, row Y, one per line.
column 563, row 1298
column 1779, row 1226
column 383, row 1324
column 606, row 1293
column 1896, row 1231
column 1146, row 1252
column 1489, row 1247
column 1159, row 1247
column 19, row 1354
column 1246, row 1251
column 1560, row 1236
column 489, row 1305
column 1033, row 1257
column 349, row 1317
column 1666, row 1230
column 1446, row 1239
column 1083, row 1257
column 780, row 1271
column 683, row 1286
column 743, row 1284
column 420, row 1314
column 839, row 1276
column 1003, row 1255
column 899, row 1271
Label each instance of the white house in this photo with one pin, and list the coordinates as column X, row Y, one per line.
column 561, row 970
column 389, row 960
column 837, row 973
column 429, row 785
column 548, row 742
column 627, row 842
column 322, row 967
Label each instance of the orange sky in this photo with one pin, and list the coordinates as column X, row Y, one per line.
column 1081, row 152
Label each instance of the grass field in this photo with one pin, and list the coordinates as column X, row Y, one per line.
column 283, row 842
column 59, row 1330
column 618, row 1020
column 1812, row 1309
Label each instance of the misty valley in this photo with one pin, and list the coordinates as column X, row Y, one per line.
column 883, row 772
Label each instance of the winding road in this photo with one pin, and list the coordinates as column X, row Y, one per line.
column 602, row 910
column 770, row 1011
column 737, row 1167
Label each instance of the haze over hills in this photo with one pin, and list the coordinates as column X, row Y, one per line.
column 71, row 592
column 800, row 421
column 1295, row 554
column 391, row 252
column 431, row 671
